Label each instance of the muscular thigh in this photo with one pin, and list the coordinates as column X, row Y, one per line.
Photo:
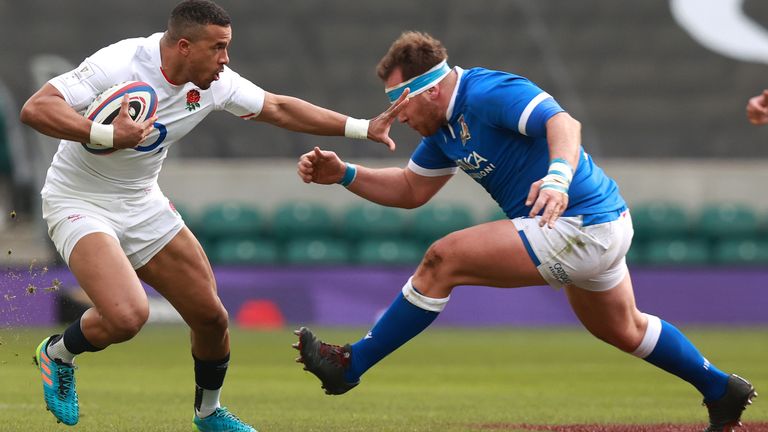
column 104, row 273
column 180, row 271
column 86, row 234
column 490, row 254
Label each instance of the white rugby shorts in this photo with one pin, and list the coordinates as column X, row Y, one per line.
column 590, row 257
column 143, row 225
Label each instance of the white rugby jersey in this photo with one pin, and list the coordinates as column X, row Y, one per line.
column 130, row 172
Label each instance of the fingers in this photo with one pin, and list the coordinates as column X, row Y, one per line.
column 757, row 111
column 313, row 164
column 124, row 105
column 537, row 206
column 149, row 123
column 390, row 144
column 551, row 212
column 147, row 126
column 305, row 170
column 552, row 203
column 399, row 104
column 532, row 194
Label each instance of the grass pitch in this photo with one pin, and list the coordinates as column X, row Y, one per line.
column 444, row 380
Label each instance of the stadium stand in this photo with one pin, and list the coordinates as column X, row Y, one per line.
column 726, row 221
column 677, row 252
column 294, row 220
column 369, row 221
column 741, row 252
column 388, row 252
column 436, row 220
column 656, row 220
column 367, row 234
column 642, row 86
column 244, row 251
column 229, row 221
column 5, row 158
column 316, row 251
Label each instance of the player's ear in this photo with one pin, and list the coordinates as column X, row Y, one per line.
column 433, row 92
column 184, row 46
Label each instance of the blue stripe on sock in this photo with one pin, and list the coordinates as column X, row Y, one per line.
column 676, row 354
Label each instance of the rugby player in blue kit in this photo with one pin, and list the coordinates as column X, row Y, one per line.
column 568, row 225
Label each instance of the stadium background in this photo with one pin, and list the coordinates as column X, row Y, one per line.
column 662, row 111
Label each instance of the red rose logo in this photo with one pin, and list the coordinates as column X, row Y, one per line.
column 193, row 100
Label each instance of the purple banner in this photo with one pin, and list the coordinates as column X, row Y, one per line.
column 264, row 297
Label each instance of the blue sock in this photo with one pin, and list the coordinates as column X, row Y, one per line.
column 400, row 323
column 676, row 354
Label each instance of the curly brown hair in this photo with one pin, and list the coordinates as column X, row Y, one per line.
column 414, row 53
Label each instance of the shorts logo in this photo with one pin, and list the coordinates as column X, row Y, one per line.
column 559, row 273
column 75, row 217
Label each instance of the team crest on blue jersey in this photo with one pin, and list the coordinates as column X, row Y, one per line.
column 465, row 136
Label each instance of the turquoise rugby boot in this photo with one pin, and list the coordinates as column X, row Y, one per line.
column 58, row 386
column 222, row 420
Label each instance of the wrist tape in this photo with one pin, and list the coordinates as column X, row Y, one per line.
column 356, row 128
column 102, row 134
column 559, row 176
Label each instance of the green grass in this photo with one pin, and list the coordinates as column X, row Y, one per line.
column 445, row 380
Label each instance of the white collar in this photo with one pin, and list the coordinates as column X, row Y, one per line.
column 449, row 111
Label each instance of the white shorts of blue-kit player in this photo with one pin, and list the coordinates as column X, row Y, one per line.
column 142, row 224
column 583, row 251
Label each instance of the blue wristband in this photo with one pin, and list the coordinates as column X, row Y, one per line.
column 349, row 175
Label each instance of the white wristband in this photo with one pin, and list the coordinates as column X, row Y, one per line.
column 102, row 134
column 356, row 128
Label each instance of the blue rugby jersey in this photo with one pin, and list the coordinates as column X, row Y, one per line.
column 496, row 133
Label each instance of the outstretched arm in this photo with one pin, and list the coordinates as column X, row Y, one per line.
column 48, row 113
column 757, row 109
column 551, row 192
column 391, row 187
column 301, row 116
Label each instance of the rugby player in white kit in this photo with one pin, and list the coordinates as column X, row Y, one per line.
column 110, row 221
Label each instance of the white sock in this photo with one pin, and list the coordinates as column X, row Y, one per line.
column 209, row 402
column 58, row 350
column 420, row 300
column 652, row 333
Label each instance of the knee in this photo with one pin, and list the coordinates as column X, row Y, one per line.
column 439, row 265
column 211, row 318
column 626, row 339
column 127, row 323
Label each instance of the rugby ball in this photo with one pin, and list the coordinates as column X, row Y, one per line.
column 142, row 104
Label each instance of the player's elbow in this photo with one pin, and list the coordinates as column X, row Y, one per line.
column 575, row 125
column 412, row 204
column 27, row 114
column 31, row 113
column 565, row 121
column 415, row 200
